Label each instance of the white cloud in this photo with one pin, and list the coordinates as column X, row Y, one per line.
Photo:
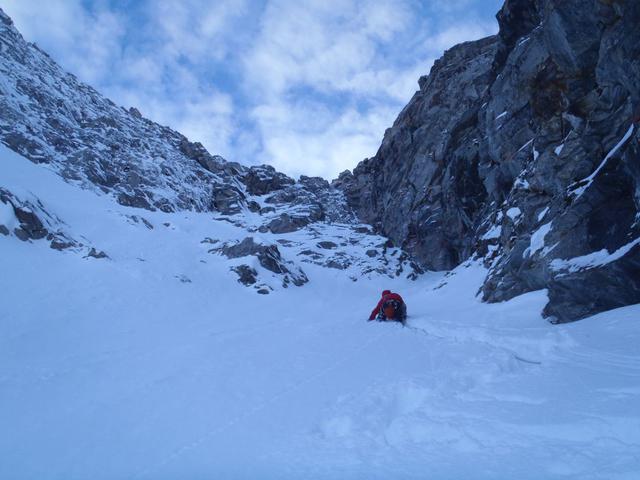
column 318, row 44
column 194, row 29
column 322, row 152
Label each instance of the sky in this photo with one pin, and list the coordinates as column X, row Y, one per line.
column 306, row 86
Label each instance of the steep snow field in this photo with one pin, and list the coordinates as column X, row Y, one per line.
column 156, row 364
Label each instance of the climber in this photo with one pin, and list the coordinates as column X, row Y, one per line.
column 390, row 307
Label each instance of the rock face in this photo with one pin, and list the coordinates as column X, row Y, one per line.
column 265, row 179
column 422, row 188
column 523, row 149
column 268, row 257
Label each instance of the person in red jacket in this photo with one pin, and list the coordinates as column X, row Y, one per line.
column 390, row 307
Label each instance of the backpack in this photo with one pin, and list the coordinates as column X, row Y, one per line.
column 390, row 310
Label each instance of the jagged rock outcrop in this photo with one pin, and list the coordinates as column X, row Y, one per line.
column 524, row 150
column 29, row 220
column 264, row 179
column 269, row 258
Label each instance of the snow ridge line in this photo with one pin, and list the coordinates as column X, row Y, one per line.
column 425, row 332
column 514, row 354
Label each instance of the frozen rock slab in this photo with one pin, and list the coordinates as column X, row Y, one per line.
column 264, row 179
column 578, row 290
column 327, row 245
column 30, row 220
column 286, row 223
column 269, row 258
column 246, row 275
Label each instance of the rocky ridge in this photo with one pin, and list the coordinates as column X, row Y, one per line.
column 523, row 150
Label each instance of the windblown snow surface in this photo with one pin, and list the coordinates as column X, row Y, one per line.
column 155, row 363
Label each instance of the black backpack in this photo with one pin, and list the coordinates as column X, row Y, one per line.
column 390, row 310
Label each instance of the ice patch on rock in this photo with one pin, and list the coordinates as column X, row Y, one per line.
column 592, row 260
column 513, row 213
column 537, row 240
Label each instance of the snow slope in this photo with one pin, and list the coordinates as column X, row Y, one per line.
column 155, row 363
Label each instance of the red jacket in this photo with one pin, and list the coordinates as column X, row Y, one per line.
column 386, row 295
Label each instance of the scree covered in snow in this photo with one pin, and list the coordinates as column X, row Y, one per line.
column 153, row 362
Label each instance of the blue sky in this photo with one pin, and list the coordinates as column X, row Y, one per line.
column 307, row 86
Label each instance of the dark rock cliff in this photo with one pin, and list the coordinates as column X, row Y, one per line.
column 423, row 188
column 523, row 149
